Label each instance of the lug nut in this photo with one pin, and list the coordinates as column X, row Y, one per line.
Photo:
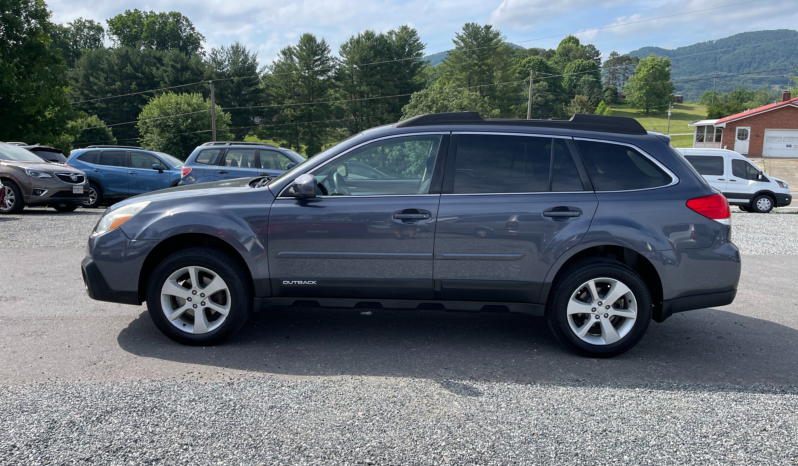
column 195, row 306
column 607, row 307
column 202, row 303
column 606, row 315
column 202, row 295
column 188, row 299
column 600, row 303
column 193, row 291
column 593, row 310
column 598, row 317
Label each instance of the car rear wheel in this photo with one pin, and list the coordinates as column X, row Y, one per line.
column 744, row 208
column 599, row 308
column 65, row 207
column 762, row 204
column 12, row 201
column 95, row 196
column 199, row 296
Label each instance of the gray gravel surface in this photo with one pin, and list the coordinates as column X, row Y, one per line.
column 355, row 421
column 87, row 382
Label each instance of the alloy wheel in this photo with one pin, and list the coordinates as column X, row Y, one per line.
column 92, row 197
column 196, row 300
column 9, row 200
column 602, row 311
column 764, row 204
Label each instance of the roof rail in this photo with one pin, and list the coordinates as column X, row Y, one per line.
column 113, row 146
column 609, row 124
column 237, row 143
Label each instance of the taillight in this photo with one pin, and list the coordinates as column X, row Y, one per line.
column 185, row 171
column 67, row 165
column 714, row 206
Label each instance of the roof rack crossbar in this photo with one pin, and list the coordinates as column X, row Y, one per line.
column 112, row 146
column 582, row 122
column 237, row 143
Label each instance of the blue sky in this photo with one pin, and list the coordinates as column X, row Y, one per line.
column 265, row 26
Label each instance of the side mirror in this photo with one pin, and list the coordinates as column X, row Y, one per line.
column 759, row 177
column 304, row 187
column 290, row 166
column 157, row 166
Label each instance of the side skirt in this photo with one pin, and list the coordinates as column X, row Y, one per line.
column 536, row 310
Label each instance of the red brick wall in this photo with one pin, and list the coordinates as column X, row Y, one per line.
column 782, row 118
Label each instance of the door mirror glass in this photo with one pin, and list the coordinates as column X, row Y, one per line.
column 157, row 166
column 290, row 166
column 303, row 187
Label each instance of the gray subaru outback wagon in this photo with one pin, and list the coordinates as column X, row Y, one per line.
column 592, row 223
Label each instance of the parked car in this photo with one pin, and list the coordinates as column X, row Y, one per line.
column 118, row 172
column 47, row 153
column 227, row 160
column 591, row 202
column 742, row 183
column 29, row 180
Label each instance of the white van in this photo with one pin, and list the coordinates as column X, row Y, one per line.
column 738, row 179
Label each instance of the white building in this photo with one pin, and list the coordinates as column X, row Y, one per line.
column 706, row 135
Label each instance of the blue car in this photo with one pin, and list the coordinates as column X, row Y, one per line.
column 119, row 172
column 226, row 160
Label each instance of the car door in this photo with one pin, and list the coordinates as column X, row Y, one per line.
column 347, row 244
column 743, row 182
column 712, row 168
column 143, row 178
column 112, row 172
column 272, row 162
column 237, row 163
column 511, row 205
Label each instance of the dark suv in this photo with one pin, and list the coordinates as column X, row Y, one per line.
column 227, row 160
column 591, row 222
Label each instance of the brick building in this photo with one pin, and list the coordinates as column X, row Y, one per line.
column 768, row 131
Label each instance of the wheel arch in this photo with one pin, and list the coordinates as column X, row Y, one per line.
column 179, row 242
column 622, row 254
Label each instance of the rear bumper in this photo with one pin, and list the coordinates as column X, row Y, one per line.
column 689, row 303
column 97, row 288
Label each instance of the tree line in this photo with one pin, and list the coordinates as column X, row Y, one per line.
column 61, row 82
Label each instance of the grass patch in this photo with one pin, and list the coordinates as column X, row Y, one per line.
column 682, row 115
column 682, row 141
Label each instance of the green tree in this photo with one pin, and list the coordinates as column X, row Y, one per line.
column 580, row 104
column 224, row 65
column 297, row 89
column 446, row 97
column 571, row 49
column 178, row 123
column 75, row 37
column 481, row 61
column 582, row 73
column 603, row 109
column 617, row 69
column 548, row 93
column 34, row 106
column 86, row 130
column 162, row 31
column 650, row 88
column 611, row 94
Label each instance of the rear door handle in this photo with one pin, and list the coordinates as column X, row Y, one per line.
column 410, row 216
column 97, row 170
column 222, row 172
column 131, row 173
column 562, row 213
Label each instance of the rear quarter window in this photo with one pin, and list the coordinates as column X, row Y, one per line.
column 209, row 156
column 614, row 167
column 89, row 157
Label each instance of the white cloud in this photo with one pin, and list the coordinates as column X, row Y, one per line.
column 526, row 14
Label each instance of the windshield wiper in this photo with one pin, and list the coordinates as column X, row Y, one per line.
column 266, row 179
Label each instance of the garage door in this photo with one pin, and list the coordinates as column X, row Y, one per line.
column 781, row 143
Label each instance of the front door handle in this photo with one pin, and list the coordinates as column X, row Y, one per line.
column 410, row 216
column 131, row 173
column 222, row 172
column 721, row 179
column 562, row 213
column 733, row 180
column 97, row 170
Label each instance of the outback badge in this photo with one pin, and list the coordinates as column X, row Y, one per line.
column 299, row 282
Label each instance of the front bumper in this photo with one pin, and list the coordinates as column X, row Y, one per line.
column 97, row 288
column 783, row 199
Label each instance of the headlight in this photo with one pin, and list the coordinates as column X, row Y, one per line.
column 37, row 173
column 118, row 217
column 783, row 184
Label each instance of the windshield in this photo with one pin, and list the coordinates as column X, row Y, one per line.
column 297, row 157
column 171, row 160
column 17, row 154
column 290, row 173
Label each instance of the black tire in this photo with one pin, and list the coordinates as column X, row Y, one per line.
column 762, row 204
column 94, row 187
column 231, row 271
column 744, row 208
column 571, row 281
column 65, row 207
column 18, row 203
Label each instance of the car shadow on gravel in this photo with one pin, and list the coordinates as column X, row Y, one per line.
column 708, row 346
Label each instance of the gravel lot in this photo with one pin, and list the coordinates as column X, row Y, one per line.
column 85, row 382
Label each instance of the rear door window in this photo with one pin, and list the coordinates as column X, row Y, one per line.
column 513, row 164
column 614, row 167
column 209, row 156
column 240, row 158
column 112, row 158
column 706, row 165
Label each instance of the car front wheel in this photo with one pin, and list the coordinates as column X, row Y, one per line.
column 199, row 296
column 762, row 204
column 95, row 196
column 599, row 308
column 12, row 201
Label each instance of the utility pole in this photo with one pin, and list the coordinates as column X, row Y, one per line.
column 670, row 109
column 213, row 113
column 529, row 103
column 714, row 78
